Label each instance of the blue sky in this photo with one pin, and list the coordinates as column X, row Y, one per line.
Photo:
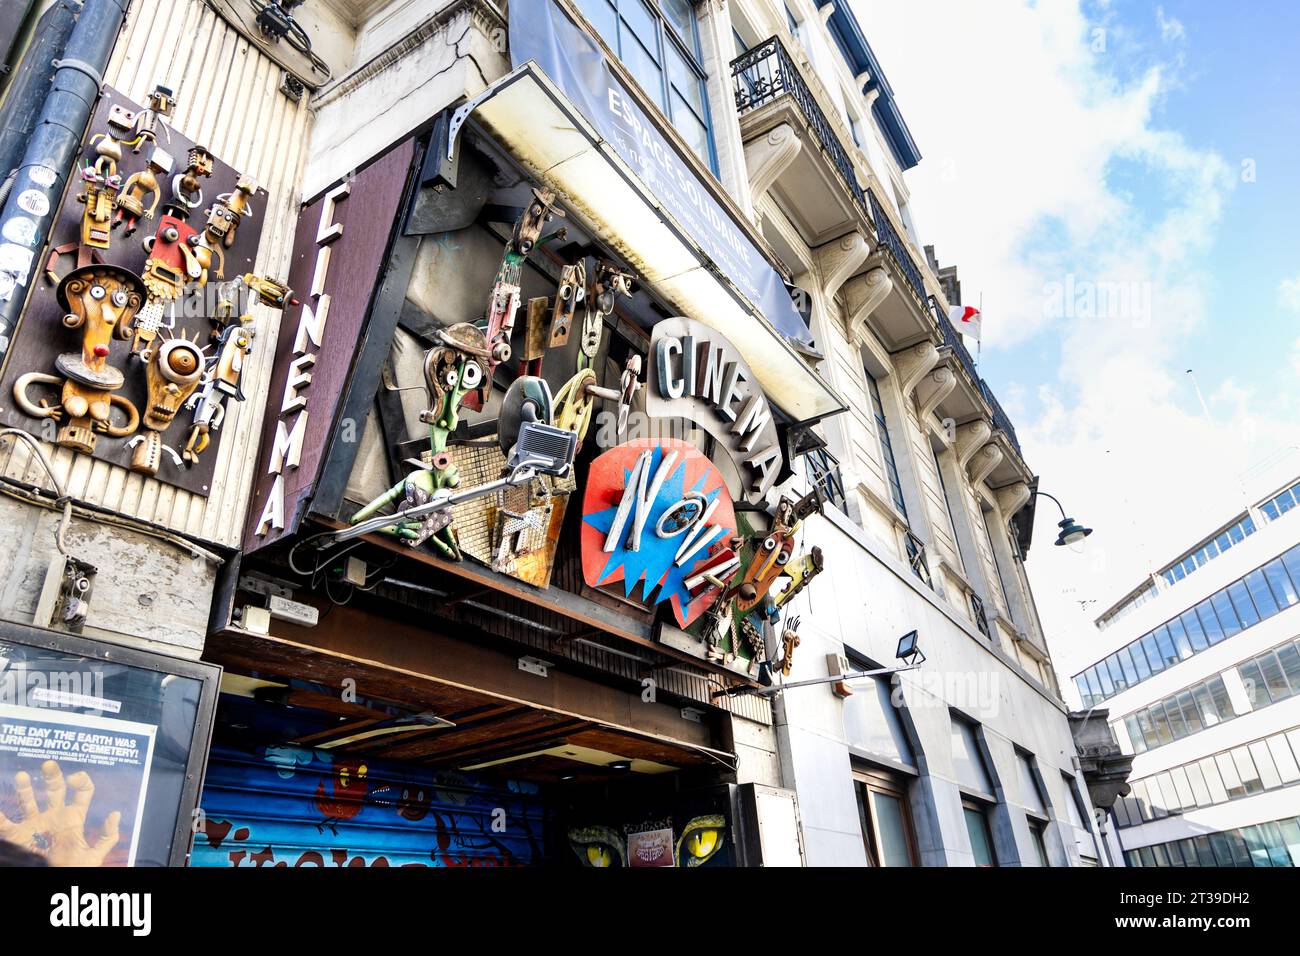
column 1143, row 155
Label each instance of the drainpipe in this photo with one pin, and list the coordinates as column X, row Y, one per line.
column 31, row 83
column 51, row 153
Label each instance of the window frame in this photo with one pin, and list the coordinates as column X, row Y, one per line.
column 688, row 48
column 869, row 779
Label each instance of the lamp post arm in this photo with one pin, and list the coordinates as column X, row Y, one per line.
column 1055, row 499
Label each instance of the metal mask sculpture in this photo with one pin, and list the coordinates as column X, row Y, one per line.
column 187, row 190
column 747, row 602
column 108, row 145
column 172, row 374
column 176, row 257
column 131, row 200
column 221, row 380
column 454, row 370
column 608, row 282
column 153, row 117
column 100, row 302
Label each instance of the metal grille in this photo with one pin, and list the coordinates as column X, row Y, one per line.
column 888, row 238
column 824, row 471
column 765, row 73
column 916, row 558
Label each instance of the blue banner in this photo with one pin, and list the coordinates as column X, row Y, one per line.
column 540, row 31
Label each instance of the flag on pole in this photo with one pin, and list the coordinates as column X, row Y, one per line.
column 965, row 320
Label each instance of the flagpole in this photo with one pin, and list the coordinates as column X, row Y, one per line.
column 979, row 342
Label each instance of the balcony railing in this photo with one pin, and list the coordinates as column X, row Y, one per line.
column 766, row 73
column 893, row 243
column 1000, row 419
column 824, row 471
column 952, row 338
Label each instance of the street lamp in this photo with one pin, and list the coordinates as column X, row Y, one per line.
column 1071, row 531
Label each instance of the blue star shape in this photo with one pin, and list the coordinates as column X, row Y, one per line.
column 655, row 558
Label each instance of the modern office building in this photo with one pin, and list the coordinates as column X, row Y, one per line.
column 1199, row 668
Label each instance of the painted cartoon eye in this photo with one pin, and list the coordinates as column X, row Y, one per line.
column 782, row 557
column 450, row 377
column 119, row 298
column 97, row 292
column 171, row 234
column 598, row 846
column 701, row 838
column 769, row 544
column 471, row 375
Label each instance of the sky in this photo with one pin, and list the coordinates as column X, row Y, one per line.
column 1118, row 181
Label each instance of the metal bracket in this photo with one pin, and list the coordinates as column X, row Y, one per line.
column 81, row 66
column 459, row 117
column 535, row 666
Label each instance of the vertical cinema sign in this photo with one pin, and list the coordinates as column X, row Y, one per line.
column 340, row 249
column 291, row 423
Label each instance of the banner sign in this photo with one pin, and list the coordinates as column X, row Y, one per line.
column 698, row 375
column 543, row 33
column 656, row 513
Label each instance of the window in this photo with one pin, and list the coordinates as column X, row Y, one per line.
column 886, row 447
column 660, row 46
column 885, row 819
column 1261, row 594
column 1037, row 829
column 1191, row 709
column 968, row 759
column 1266, row 844
column 981, row 836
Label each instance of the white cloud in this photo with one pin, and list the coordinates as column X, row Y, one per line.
column 1288, row 294
column 1021, row 125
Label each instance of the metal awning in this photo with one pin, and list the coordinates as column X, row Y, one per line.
column 544, row 132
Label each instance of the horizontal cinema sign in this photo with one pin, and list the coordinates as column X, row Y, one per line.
column 698, row 375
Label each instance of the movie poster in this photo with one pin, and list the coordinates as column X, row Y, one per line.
column 72, row 786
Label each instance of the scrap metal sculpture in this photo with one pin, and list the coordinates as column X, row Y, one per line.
column 100, row 301
column 223, row 376
column 453, row 370
column 172, row 374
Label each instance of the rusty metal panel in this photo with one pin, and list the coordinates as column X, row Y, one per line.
column 228, row 98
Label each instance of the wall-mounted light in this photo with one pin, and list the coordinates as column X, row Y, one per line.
column 1071, row 531
column 908, row 651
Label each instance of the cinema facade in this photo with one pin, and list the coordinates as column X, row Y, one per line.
column 572, row 440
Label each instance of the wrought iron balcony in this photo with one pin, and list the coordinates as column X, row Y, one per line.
column 765, row 73
column 889, row 239
column 952, row 338
column 1000, row 419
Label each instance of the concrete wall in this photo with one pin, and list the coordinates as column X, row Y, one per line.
column 148, row 592
column 865, row 601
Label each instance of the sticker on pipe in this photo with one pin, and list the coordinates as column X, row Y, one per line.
column 654, row 514
column 20, row 230
column 33, row 201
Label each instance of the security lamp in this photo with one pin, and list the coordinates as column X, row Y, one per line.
column 909, row 652
column 908, row 649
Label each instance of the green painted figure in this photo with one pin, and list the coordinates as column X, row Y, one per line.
column 453, row 370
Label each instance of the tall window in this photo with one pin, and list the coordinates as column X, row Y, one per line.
column 976, row 784
column 659, row 43
column 914, row 546
column 886, row 447
column 885, row 819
